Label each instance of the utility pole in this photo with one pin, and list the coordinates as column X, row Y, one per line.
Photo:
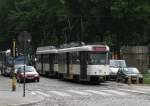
column 24, row 38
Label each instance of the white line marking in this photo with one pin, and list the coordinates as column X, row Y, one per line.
column 143, row 89
column 79, row 92
column 41, row 93
column 33, row 93
column 135, row 91
column 98, row 92
column 116, row 92
column 59, row 93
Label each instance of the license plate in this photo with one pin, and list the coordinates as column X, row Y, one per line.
column 30, row 78
column 134, row 78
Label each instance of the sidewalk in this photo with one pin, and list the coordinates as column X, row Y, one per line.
column 15, row 98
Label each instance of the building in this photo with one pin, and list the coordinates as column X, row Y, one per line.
column 137, row 56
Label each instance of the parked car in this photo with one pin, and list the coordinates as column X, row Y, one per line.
column 124, row 73
column 30, row 74
column 114, row 66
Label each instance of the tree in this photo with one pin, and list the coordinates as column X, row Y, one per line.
column 53, row 22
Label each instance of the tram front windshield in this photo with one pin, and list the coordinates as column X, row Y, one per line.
column 98, row 58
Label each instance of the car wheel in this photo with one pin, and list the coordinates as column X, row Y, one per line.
column 19, row 81
column 117, row 79
column 141, row 81
column 37, row 80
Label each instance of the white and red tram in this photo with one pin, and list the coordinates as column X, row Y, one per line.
column 81, row 63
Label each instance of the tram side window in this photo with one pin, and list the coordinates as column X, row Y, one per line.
column 46, row 58
column 38, row 58
column 64, row 58
column 61, row 59
column 75, row 58
column 55, row 59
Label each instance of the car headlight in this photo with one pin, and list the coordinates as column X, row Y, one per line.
column 36, row 75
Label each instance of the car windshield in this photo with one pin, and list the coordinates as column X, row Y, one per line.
column 20, row 60
column 27, row 69
column 17, row 66
column 131, row 71
column 117, row 63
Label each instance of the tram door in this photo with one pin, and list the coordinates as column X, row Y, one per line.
column 68, row 62
column 83, row 65
column 42, row 64
column 51, row 63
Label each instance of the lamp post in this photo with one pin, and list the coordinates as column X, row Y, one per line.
column 24, row 38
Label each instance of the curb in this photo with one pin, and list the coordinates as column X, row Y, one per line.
column 29, row 103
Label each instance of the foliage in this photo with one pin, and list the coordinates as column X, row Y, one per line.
column 52, row 22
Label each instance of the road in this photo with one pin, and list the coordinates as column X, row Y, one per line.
column 65, row 93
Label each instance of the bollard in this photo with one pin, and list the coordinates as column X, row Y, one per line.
column 13, row 83
column 137, row 79
column 129, row 80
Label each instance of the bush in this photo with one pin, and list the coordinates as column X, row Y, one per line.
column 146, row 78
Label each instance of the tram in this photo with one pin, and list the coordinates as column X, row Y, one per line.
column 5, row 62
column 75, row 61
column 47, row 61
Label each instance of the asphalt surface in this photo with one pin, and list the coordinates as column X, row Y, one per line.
column 16, row 98
column 65, row 93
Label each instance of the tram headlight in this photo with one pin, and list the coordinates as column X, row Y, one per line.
column 95, row 73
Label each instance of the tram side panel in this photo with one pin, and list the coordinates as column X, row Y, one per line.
column 74, row 66
column 47, row 65
column 55, row 65
column 62, row 66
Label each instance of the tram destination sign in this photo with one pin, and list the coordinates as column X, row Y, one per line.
column 100, row 49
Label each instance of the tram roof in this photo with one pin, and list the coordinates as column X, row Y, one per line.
column 46, row 49
column 49, row 49
column 83, row 48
